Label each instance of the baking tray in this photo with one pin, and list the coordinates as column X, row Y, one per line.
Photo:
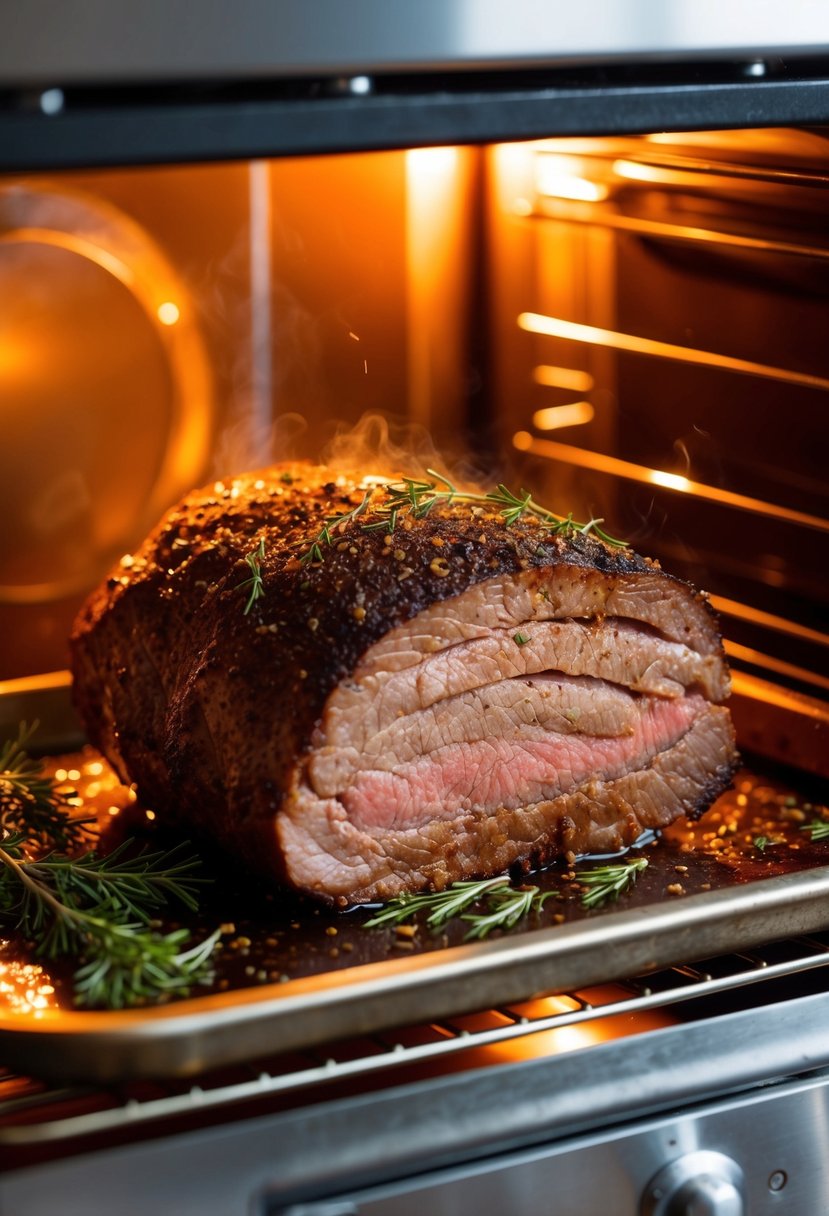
column 294, row 975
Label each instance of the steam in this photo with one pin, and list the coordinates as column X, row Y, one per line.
column 377, row 446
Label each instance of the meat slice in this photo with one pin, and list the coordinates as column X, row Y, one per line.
column 417, row 700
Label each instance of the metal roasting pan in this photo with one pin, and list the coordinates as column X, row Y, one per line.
column 224, row 1028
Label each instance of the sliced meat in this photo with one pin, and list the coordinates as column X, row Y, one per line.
column 530, row 706
column 432, row 703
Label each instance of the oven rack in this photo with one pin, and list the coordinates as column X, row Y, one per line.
column 34, row 1113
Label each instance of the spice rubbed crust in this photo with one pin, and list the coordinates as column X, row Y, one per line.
column 401, row 708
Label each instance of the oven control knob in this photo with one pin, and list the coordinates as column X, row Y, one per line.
column 698, row 1184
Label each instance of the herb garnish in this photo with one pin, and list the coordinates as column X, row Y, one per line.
column 94, row 908
column 818, row 829
column 508, row 905
column 521, row 639
column 609, row 882
column 257, row 587
column 28, row 798
column 505, row 905
column 416, row 497
column 323, row 537
column 766, row 842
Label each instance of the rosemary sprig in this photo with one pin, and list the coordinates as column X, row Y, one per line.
column 608, row 882
column 130, row 886
column 417, row 496
column 255, row 583
column 508, row 906
column 818, row 829
column 314, row 554
column 98, row 909
column 505, row 905
column 128, row 968
column 94, row 908
column 29, row 798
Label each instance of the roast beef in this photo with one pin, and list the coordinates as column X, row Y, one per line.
column 420, row 699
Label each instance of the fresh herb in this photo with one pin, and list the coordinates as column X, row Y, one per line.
column 505, row 906
column 818, row 829
column 314, row 554
column 508, row 905
column 127, row 966
column 255, row 583
column 520, row 639
column 94, row 908
column 32, row 802
column 416, row 497
column 766, row 842
column 608, row 882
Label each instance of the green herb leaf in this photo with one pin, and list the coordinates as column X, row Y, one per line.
column 127, row 966
column 91, row 907
column 767, row 842
column 418, row 496
column 608, row 882
column 818, row 829
column 32, row 801
column 521, row 639
column 505, row 905
column 255, row 583
column 314, row 555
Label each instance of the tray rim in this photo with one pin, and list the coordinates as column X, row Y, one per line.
column 221, row 1029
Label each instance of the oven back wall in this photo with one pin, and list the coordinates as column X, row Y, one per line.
column 162, row 326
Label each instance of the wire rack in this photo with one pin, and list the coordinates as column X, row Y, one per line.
column 35, row 1113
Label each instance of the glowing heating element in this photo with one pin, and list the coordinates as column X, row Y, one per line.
column 579, row 1027
column 600, row 462
column 558, row 327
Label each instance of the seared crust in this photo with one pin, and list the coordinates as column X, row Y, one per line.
column 208, row 708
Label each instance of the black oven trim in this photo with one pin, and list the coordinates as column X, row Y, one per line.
column 99, row 127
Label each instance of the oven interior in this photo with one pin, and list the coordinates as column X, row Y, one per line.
column 634, row 326
column 631, row 325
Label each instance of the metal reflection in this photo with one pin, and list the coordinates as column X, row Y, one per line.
column 605, row 218
column 767, row 620
column 746, row 654
column 573, row 331
column 615, row 467
column 685, row 170
column 554, row 417
column 570, row 378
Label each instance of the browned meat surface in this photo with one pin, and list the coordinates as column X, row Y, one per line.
column 424, row 705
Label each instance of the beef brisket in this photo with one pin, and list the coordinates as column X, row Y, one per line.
column 427, row 703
